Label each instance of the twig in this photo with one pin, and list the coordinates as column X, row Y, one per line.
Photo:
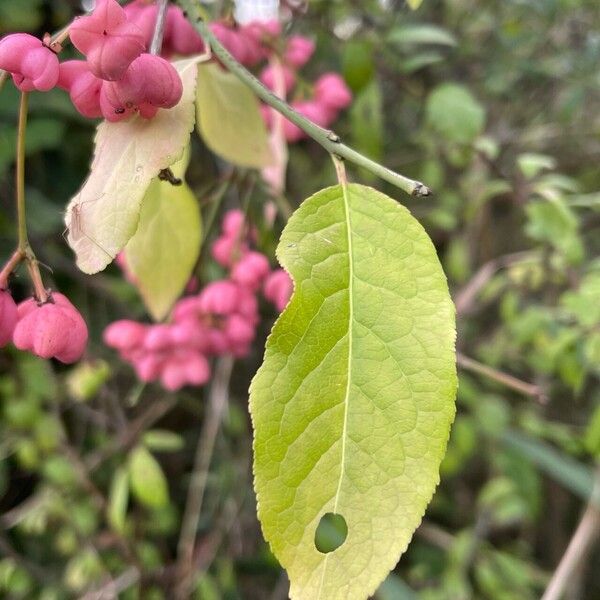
column 581, row 544
column 219, row 393
column 465, row 298
column 159, row 27
column 527, row 389
column 435, row 535
column 143, row 422
column 328, row 139
column 114, row 587
column 36, row 571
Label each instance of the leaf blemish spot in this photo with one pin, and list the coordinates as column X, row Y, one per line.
column 331, row 533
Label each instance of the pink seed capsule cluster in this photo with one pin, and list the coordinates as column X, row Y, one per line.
column 52, row 329
column 219, row 319
column 117, row 79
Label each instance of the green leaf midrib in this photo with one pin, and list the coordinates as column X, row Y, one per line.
column 346, row 400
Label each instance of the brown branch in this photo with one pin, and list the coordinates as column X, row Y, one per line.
column 218, row 397
column 527, row 389
column 579, row 547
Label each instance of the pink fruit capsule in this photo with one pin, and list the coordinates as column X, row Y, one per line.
column 148, row 366
column 125, row 335
column 150, row 82
column 250, row 270
column 269, row 78
column 33, row 66
column 8, row 317
column 332, row 91
column 316, row 111
column 54, row 329
column 174, row 375
column 238, row 330
column 278, row 288
column 197, row 369
column 227, row 249
column 219, row 297
column 83, row 86
column 180, row 36
column 298, row 51
column 108, row 39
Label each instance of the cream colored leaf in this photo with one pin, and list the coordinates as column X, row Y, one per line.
column 104, row 214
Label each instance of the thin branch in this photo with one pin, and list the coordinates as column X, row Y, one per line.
column 328, row 139
column 159, row 27
column 36, row 571
column 527, row 389
column 114, row 587
column 581, row 544
column 219, row 394
column 156, row 411
column 20, row 173
column 466, row 297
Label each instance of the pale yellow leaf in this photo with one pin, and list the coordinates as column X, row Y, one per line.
column 229, row 119
column 165, row 247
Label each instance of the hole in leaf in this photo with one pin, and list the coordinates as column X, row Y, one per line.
column 331, row 533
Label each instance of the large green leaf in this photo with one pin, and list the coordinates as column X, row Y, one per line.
column 229, row 118
column 103, row 215
column 353, row 404
column 165, row 247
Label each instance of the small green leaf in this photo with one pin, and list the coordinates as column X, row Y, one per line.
column 118, row 500
column 164, row 250
column 591, row 438
column 573, row 475
column 414, row 4
column 532, row 164
column 353, row 404
column 103, row 215
column 161, row 440
column 454, row 113
column 421, row 34
column 229, row 118
column 147, row 480
column 86, row 379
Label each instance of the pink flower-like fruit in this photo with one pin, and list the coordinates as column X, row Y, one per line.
column 33, row 66
column 269, row 78
column 108, row 39
column 278, row 288
column 83, row 86
column 8, row 317
column 298, row 51
column 150, row 83
column 316, row 111
column 251, row 270
column 54, row 329
column 332, row 91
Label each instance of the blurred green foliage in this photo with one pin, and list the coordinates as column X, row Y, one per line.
column 496, row 106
